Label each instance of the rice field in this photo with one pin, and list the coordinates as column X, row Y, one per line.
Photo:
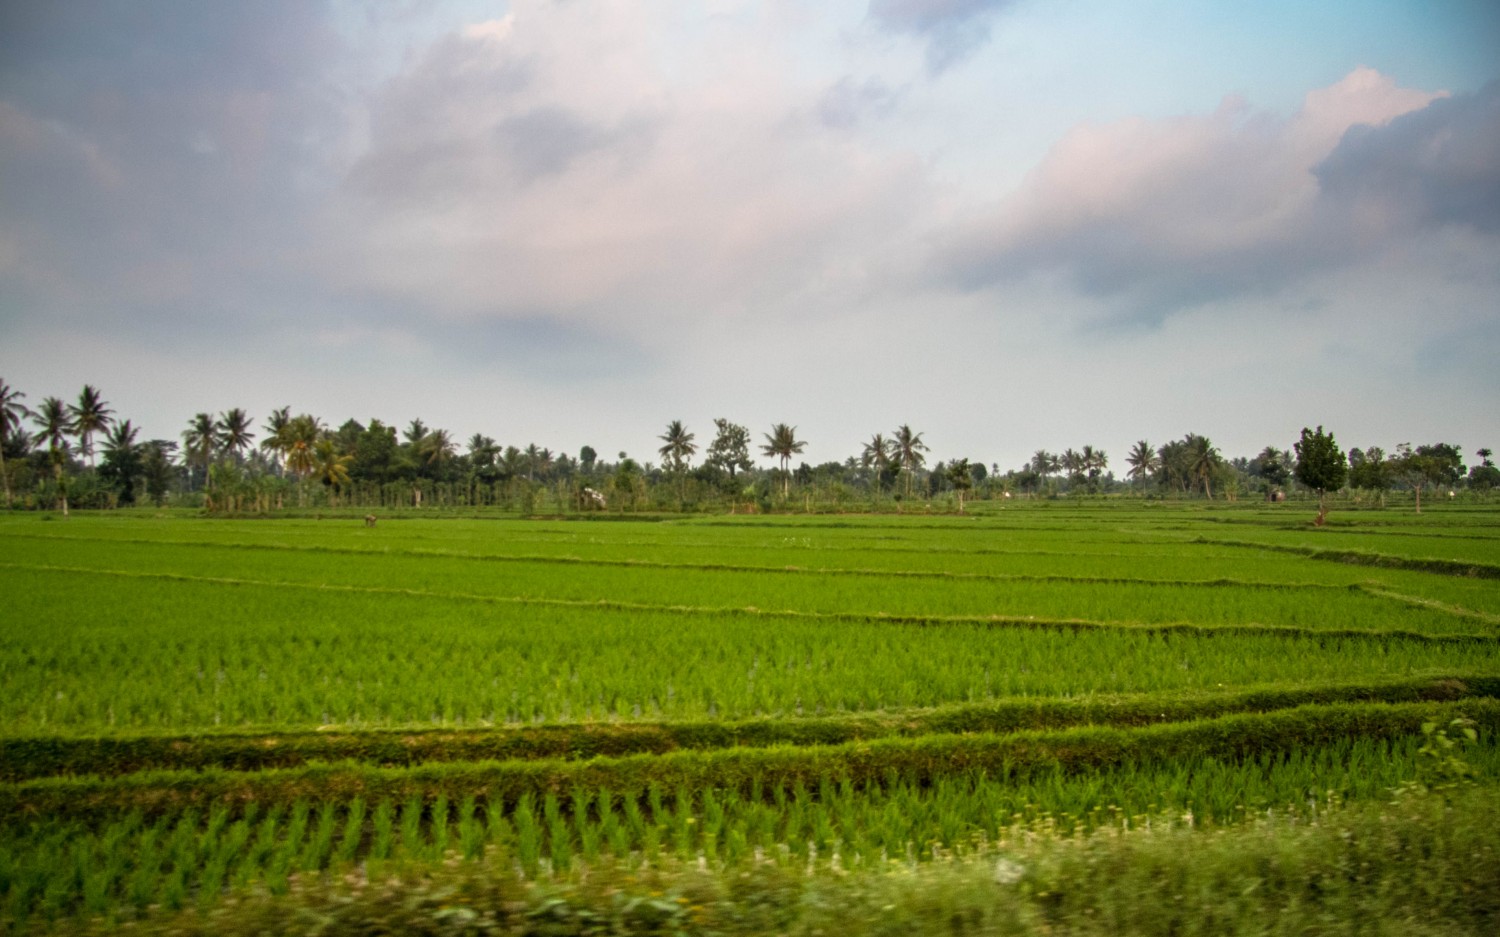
column 195, row 709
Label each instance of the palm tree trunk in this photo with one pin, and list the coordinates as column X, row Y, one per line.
column 4, row 477
column 61, row 490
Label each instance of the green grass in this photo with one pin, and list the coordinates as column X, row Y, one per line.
column 201, row 713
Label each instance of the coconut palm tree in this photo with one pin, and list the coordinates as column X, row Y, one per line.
column 679, row 448
column 877, row 454
column 1143, row 461
column 1203, row 461
column 235, row 432
column 331, row 467
column 677, row 453
column 90, row 415
column 908, row 448
column 1092, row 462
column 55, row 425
column 201, row 441
column 275, row 441
column 782, row 443
column 12, row 412
column 436, row 450
column 302, row 433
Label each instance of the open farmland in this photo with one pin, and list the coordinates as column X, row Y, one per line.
column 199, row 708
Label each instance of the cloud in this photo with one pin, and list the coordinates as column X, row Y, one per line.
column 552, row 164
column 1436, row 166
column 1156, row 216
column 952, row 29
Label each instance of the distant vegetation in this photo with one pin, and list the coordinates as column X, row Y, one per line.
column 62, row 455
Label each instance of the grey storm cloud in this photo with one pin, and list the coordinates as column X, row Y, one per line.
column 154, row 156
column 1157, row 217
column 1440, row 165
column 952, row 29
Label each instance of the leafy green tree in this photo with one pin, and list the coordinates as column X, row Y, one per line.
column 55, row 425
column 587, row 457
column 123, row 462
column 1484, row 476
column 730, row 450
column 1370, row 470
column 961, row 476
column 1435, row 464
column 376, row 452
column 782, row 443
column 301, row 434
column 1321, row 466
column 12, row 412
column 158, row 468
column 1273, row 466
column 89, row 415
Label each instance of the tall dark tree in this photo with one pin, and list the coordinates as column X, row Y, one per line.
column 12, row 412
column 1321, row 466
column 123, row 461
column 90, row 415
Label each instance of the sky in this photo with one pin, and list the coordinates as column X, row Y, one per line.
column 1010, row 224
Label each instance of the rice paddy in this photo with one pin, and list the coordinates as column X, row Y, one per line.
column 197, row 709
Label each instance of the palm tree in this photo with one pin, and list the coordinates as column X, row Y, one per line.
column 1093, row 462
column 679, row 448
column 1072, row 464
column 908, row 448
column 12, row 411
column 90, row 415
column 436, row 450
column 877, row 454
column 235, row 432
column 275, row 441
column 201, row 442
column 302, row 433
column 1203, row 461
column 678, row 454
column 55, row 424
column 122, row 460
column 782, row 443
column 1143, row 461
column 331, row 467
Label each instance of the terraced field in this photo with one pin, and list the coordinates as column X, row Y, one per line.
column 198, row 710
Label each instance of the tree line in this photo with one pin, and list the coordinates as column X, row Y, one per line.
column 81, row 454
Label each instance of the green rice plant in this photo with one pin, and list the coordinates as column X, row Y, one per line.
column 353, row 832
